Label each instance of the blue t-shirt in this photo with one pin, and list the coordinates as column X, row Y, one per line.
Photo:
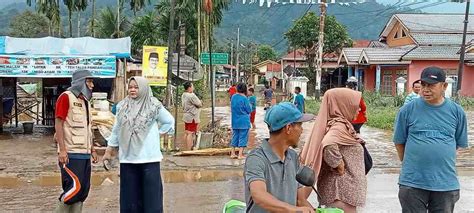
column 299, row 102
column 431, row 135
column 253, row 102
column 241, row 109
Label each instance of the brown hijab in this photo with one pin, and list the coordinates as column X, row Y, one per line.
column 332, row 126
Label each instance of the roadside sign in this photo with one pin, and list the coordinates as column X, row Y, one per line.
column 217, row 58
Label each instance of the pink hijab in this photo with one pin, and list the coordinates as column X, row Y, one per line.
column 332, row 126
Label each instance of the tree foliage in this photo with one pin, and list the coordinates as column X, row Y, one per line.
column 266, row 52
column 107, row 22
column 145, row 31
column 305, row 33
column 29, row 25
column 187, row 12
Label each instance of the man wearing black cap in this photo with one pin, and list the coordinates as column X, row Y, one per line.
column 270, row 169
column 428, row 131
column 74, row 137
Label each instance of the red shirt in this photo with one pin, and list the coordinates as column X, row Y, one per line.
column 361, row 117
column 62, row 106
column 232, row 91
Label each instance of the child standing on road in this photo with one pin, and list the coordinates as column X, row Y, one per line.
column 240, row 109
column 298, row 100
column 253, row 104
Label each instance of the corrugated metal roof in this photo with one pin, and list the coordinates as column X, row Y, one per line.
column 385, row 55
column 434, row 23
column 352, row 54
column 433, row 52
column 440, row 39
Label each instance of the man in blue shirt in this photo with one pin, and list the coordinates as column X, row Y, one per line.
column 298, row 100
column 240, row 110
column 428, row 131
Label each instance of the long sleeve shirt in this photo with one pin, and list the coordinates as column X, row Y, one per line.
column 150, row 150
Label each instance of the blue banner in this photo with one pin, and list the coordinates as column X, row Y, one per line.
column 2, row 44
column 40, row 66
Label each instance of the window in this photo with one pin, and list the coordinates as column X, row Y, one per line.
column 387, row 80
column 401, row 33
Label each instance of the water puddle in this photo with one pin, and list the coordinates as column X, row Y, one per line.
column 98, row 178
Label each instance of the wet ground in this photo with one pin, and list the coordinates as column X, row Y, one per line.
column 29, row 181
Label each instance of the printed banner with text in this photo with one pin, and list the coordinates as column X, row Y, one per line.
column 155, row 64
column 40, row 66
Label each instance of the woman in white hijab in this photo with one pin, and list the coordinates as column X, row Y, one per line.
column 140, row 120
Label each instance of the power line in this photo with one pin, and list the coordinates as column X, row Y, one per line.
column 358, row 27
column 311, row 5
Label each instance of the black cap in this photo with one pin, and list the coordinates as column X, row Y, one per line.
column 433, row 75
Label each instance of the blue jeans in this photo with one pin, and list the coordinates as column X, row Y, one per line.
column 141, row 189
column 415, row 200
column 240, row 137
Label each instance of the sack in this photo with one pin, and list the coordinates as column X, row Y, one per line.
column 367, row 160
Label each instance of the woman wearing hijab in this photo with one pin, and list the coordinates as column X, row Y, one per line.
column 335, row 153
column 140, row 120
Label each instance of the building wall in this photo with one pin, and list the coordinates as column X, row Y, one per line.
column 369, row 78
column 416, row 67
column 298, row 64
column 395, row 42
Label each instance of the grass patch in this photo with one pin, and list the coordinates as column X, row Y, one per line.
column 312, row 106
column 381, row 117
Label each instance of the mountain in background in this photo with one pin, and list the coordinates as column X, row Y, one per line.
column 264, row 25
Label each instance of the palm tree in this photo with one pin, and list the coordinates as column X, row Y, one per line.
column 145, row 31
column 106, row 24
column 188, row 11
column 137, row 5
column 50, row 8
column 72, row 6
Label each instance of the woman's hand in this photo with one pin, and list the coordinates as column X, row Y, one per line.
column 341, row 168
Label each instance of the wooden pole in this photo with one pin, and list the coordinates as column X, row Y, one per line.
column 170, row 54
column 319, row 61
column 463, row 49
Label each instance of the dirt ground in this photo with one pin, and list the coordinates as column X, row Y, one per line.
column 29, row 178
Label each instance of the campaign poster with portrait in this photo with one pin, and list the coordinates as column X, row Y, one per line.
column 155, row 64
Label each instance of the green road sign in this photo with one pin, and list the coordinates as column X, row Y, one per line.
column 217, row 58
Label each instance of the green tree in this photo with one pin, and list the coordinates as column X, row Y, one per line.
column 266, row 52
column 145, row 31
column 188, row 12
column 106, row 24
column 50, row 8
column 73, row 6
column 29, row 25
column 305, row 34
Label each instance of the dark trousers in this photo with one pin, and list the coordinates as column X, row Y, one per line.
column 141, row 189
column 76, row 179
column 357, row 127
column 415, row 200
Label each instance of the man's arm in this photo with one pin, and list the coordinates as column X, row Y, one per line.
column 400, row 150
column 400, row 134
column 58, row 126
column 196, row 101
column 262, row 198
column 301, row 198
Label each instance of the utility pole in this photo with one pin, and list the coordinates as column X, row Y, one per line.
column 231, row 61
column 182, row 46
column 238, row 55
column 319, row 61
column 170, row 54
column 463, row 49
